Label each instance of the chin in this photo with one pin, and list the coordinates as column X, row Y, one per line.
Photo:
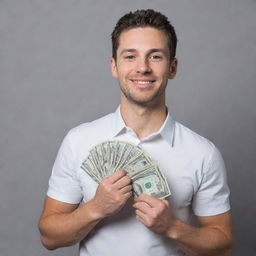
column 144, row 102
column 142, row 98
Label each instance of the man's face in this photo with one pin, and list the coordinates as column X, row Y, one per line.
column 143, row 65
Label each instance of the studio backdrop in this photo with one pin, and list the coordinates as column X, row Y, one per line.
column 55, row 75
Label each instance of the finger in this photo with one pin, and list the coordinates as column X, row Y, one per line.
column 150, row 200
column 122, row 182
column 126, row 189
column 116, row 176
column 127, row 195
column 141, row 216
column 143, row 207
column 166, row 203
column 143, row 203
column 141, row 220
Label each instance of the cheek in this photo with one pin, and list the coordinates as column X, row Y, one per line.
column 124, row 70
column 161, row 70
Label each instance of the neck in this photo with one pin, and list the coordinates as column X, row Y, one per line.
column 144, row 120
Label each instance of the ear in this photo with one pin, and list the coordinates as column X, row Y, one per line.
column 173, row 68
column 113, row 67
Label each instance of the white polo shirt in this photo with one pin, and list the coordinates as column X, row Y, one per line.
column 192, row 165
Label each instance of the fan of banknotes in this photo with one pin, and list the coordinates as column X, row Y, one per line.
column 109, row 156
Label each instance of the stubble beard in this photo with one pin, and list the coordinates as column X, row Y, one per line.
column 150, row 101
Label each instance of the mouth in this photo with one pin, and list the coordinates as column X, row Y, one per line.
column 142, row 83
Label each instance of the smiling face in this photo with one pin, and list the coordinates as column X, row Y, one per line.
column 143, row 66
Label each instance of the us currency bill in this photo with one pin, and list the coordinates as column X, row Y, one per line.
column 109, row 156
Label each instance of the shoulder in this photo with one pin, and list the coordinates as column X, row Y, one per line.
column 105, row 121
column 90, row 133
column 192, row 143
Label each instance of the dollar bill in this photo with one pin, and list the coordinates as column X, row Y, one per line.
column 109, row 156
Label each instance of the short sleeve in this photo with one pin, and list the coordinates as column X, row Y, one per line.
column 212, row 197
column 63, row 183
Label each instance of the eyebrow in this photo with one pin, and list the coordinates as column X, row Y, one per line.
column 150, row 51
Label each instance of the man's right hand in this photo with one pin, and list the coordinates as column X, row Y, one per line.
column 112, row 193
column 63, row 224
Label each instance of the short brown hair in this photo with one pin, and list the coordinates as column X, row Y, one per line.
column 144, row 18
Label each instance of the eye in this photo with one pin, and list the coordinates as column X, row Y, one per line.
column 155, row 57
column 129, row 57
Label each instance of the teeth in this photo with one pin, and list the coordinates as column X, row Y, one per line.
column 143, row 82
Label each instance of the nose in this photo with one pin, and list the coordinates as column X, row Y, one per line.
column 143, row 66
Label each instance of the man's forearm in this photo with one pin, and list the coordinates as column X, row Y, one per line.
column 201, row 241
column 61, row 225
column 66, row 229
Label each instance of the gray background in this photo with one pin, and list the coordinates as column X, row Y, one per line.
column 54, row 75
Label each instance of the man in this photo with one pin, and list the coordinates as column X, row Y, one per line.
column 105, row 218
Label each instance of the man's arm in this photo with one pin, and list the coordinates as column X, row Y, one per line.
column 63, row 224
column 214, row 237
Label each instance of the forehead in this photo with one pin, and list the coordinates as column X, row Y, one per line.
column 143, row 38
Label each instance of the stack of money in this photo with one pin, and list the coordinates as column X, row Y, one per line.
column 109, row 156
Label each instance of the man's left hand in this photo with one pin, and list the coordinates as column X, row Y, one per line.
column 154, row 213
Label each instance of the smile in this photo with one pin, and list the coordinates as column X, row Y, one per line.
column 143, row 82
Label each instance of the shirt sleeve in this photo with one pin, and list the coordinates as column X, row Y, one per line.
column 63, row 183
column 212, row 197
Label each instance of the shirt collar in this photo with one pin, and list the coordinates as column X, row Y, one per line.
column 119, row 124
column 166, row 130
